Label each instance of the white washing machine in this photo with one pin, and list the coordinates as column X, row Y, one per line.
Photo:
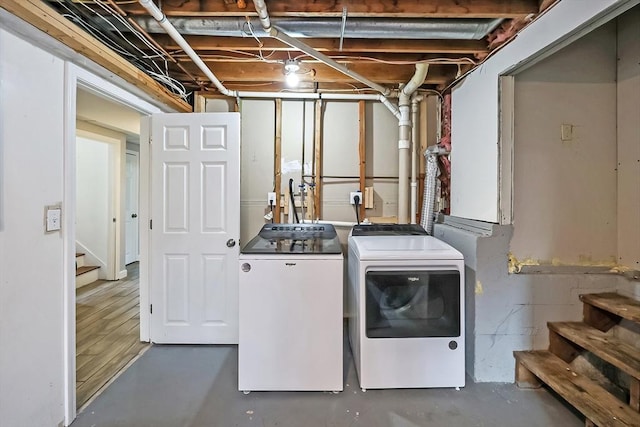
column 291, row 310
column 406, row 308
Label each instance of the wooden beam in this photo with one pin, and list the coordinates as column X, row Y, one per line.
column 277, row 160
column 46, row 19
column 634, row 393
column 355, row 8
column 546, row 4
column 342, row 57
column 205, row 43
column 317, row 159
column 362, row 153
column 238, row 71
column 199, row 103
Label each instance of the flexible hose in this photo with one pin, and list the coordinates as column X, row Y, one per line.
column 293, row 202
column 428, row 204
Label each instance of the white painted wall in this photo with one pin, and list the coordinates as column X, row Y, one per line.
column 628, row 109
column 507, row 312
column 95, row 109
column 475, row 104
column 37, row 309
column 565, row 191
column 31, row 262
column 340, row 134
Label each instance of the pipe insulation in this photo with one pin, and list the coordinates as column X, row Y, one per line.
column 404, row 141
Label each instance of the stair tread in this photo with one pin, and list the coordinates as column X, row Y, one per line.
column 609, row 348
column 620, row 305
column 86, row 269
column 598, row 405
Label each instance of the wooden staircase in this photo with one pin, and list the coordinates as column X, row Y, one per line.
column 568, row 340
column 85, row 274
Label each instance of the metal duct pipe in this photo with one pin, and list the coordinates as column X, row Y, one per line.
column 429, row 200
column 404, row 142
column 362, row 28
column 415, row 135
column 428, row 203
column 261, row 8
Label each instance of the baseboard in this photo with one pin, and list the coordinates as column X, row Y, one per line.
column 122, row 274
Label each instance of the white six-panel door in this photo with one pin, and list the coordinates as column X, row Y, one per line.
column 195, row 214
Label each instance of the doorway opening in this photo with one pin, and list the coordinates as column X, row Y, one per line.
column 107, row 287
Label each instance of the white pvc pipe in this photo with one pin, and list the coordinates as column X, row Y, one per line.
column 177, row 37
column 404, row 142
column 158, row 15
column 415, row 134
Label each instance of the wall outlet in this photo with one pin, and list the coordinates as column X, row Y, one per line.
column 271, row 198
column 53, row 218
column 352, row 197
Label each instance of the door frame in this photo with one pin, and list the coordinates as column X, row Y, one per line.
column 75, row 77
column 136, row 154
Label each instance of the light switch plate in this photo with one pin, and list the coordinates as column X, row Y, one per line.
column 53, row 218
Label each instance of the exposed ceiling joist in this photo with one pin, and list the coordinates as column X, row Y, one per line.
column 206, row 43
column 51, row 22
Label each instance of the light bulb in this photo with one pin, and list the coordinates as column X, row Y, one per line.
column 292, row 79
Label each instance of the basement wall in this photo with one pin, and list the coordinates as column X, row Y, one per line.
column 567, row 198
column 475, row 104
column 340, row 134
column 31, row 261
column 565, row 190
column 33, row 74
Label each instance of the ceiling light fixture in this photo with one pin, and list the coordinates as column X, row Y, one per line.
column 291, row 68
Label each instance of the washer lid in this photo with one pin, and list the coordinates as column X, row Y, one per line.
column 402, row 247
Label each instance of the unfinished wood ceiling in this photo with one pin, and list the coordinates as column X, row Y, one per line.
column 381, row 40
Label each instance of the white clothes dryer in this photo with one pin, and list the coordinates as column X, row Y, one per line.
column 406, row 308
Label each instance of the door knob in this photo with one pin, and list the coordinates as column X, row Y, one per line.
column 231, row 243
column 134, row 215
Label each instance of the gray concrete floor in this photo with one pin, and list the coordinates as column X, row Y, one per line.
column 194, row 386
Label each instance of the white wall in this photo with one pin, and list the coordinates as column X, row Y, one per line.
column 475, row 105
column 628, row 109
column 565, row 191
column 95, row 109
column 340, row 135
column 31, row 262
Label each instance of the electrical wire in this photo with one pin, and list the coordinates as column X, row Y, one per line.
column 293, row 201
column 139, row 58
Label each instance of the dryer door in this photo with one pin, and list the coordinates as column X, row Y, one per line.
column 412, row 304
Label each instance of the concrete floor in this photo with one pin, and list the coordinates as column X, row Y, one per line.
column 194, row 386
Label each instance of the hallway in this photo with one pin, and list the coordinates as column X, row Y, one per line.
column 107, row 331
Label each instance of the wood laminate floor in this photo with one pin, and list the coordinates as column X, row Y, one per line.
column 107, row 331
